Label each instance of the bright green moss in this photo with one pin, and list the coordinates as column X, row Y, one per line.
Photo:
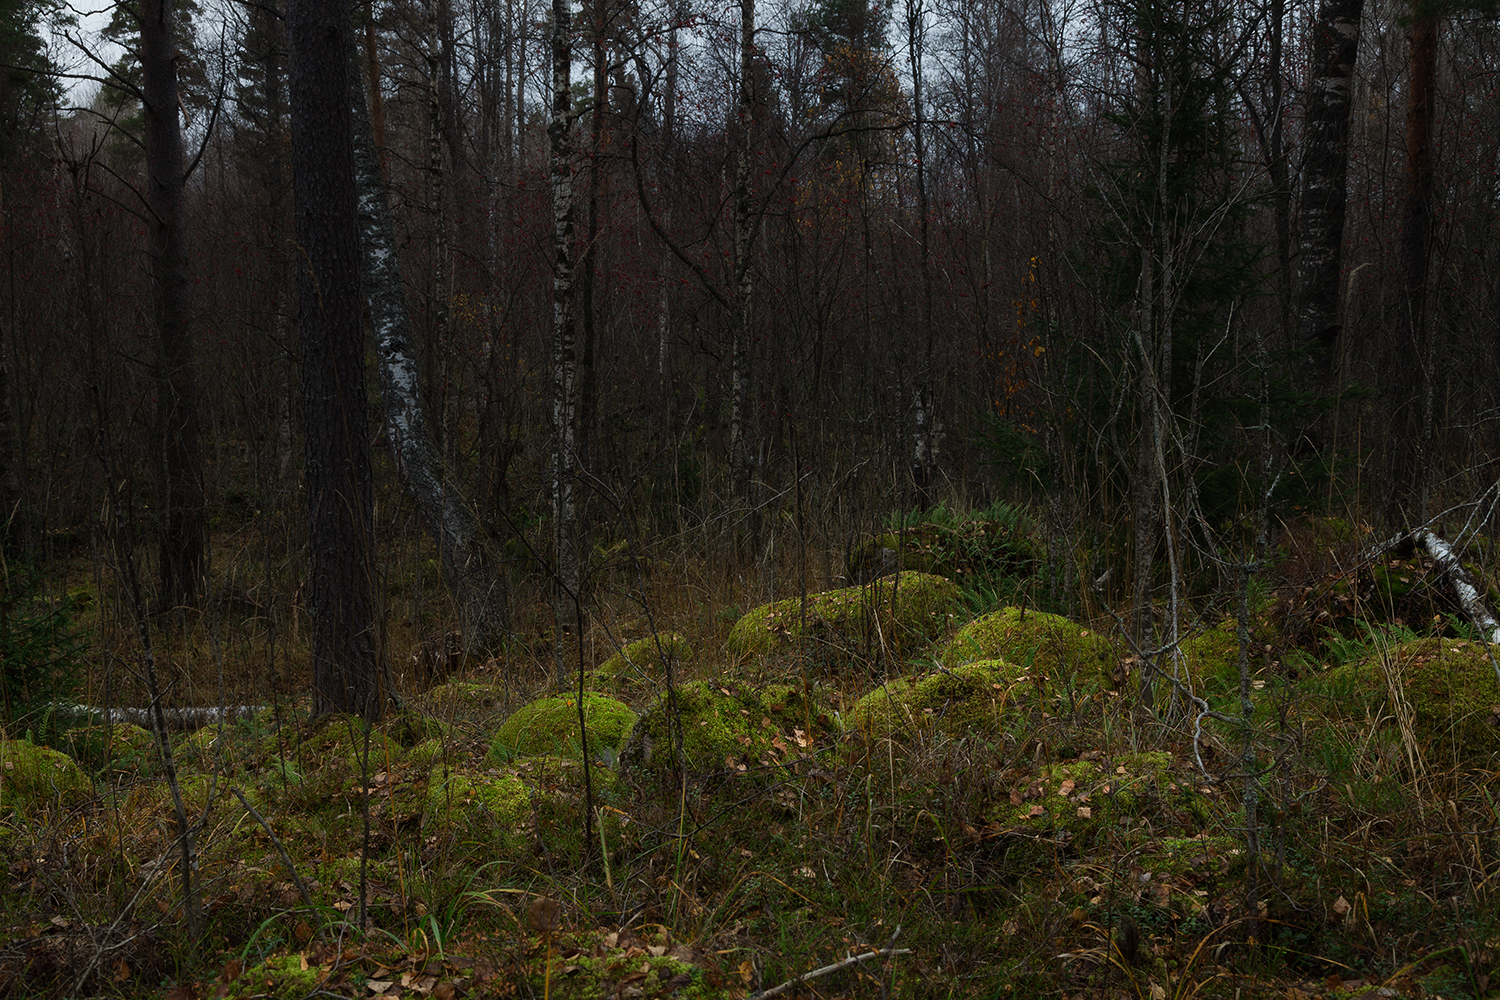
column 642, row 660
column 549, row 726
column 904, row 613
column 965, row 700
column 33, row 777
column 1047, row 644
column 727, row 726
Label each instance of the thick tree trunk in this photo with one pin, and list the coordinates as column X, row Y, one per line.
column 564, row 374
column 739, row 363
column 469, row 569
column 1324, row 188
column 1409, row 400
column 347, row 675
column 183, row 525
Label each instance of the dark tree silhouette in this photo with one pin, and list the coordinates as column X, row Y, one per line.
column 346, row 671
column 183, row 530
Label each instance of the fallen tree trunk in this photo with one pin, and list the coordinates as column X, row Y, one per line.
column 1465, row 590
column 175, row 719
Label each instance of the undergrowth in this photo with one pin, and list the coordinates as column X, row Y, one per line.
column 1069, row 846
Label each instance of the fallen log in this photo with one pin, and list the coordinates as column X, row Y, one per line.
column 177, row 719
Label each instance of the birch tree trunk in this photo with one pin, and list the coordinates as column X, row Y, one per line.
column 926, row 428
column 470, row 569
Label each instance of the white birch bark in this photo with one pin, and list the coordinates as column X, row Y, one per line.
column 470, row 571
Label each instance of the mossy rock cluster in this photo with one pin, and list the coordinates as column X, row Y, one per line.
column 1449, row 684
column 902, row 613
column 1047, row 645
column 549, row 727
column 643, row 661
column 729, row 728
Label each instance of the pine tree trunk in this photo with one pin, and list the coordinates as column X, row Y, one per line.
column 345, row 642
column 564, row 374
column 183, row 525
column 1324, row 188
column 1410, row 399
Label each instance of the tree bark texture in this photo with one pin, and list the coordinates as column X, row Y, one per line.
column 183, row 527
column 1410, row 399
column 470, row 571
column 564, row 373
column 1324, row 187
column 925, row 451
column 346, row 669
column 739, row 363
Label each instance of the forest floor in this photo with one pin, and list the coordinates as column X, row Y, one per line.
column 907, row 788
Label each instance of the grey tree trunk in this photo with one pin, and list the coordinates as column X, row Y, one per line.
column 470, row 569
column 183, row 527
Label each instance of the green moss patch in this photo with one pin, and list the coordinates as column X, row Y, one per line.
column 728, row 727
column 1046, row 644
column 902, row 613
column 464, row 701
column 964, row 700
column 642, row 660
column 1449, row 685
column 33, row 778
column 119, row 747
column 1079, row 797
column 283, row 976
column 549, row 727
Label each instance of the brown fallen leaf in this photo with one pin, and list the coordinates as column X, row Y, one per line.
column 543, row 914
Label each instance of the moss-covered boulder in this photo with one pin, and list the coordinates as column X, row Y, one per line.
column 1449, row 685
column 729, row 727
column 36, row 778
column 464, row 701
column 1047, row 645
column 481, row 812
column 549, row 727
column 963, row 700
column 118, row 747
column 643, row 660
column 902, row 614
